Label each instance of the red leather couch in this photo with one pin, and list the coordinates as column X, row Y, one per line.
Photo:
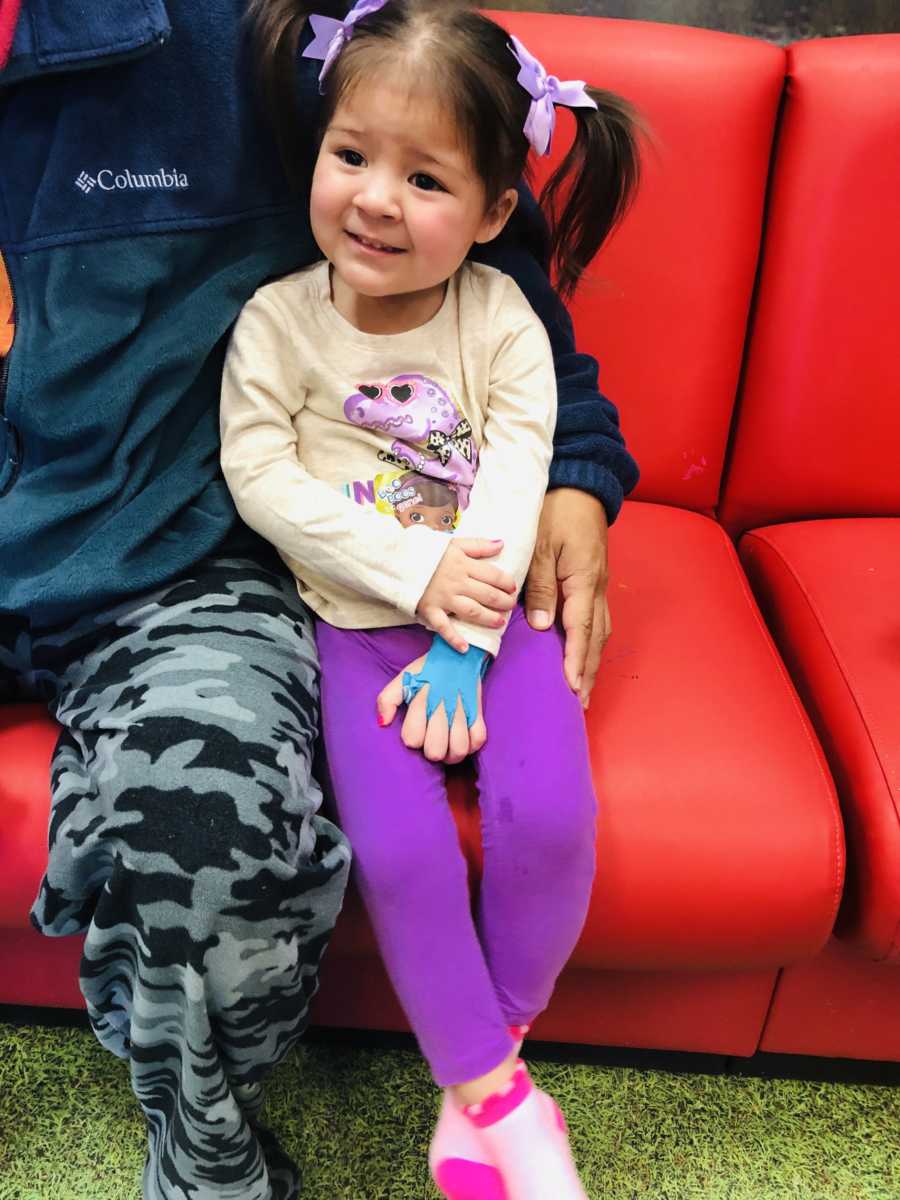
column 743, row 721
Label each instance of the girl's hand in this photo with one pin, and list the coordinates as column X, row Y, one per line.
column 465, row 587
column 438, row 739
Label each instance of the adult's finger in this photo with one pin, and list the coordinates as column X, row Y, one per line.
column 541, row 587
column 437, row 736
column 415, row 723
column 458, row 745
column 389, row 700
column 578, row 623
column 599, row 637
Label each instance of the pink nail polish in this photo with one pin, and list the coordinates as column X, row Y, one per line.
column 380, row 719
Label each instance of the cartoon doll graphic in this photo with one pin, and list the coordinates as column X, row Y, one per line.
column 416, row 499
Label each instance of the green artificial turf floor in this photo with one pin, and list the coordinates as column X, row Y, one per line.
column 359, row 1121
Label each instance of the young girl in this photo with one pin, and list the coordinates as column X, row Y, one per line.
column 387, row 423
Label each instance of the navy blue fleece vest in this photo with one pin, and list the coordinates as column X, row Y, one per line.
column 141, row 204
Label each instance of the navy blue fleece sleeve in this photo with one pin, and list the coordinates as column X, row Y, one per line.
column 589, row 450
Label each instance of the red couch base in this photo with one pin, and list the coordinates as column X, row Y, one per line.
column 711, row 1012
column 838, row 1005
column 39, row 971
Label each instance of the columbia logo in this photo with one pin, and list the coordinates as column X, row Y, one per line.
column 161, row 180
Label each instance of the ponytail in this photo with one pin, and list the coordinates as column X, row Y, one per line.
column 603, row 170
column 276, row 27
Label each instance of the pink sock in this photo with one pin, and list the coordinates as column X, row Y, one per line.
column 517, row 1033
column 524, row 1134
column 460, row 1166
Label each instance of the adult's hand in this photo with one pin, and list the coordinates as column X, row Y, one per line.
column 568, row 578
column 439, row 739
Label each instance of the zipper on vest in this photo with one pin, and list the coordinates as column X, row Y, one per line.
column 12, row 438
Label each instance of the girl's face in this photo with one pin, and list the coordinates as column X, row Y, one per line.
column 442, row 519
column 396, row 204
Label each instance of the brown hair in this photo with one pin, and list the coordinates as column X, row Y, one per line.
column 433, row 493
column 467, row 60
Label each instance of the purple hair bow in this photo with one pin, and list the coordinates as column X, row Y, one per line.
column 332, row 36
column 545, row 91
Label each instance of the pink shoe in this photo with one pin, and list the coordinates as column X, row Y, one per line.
column 523, row 1133
column 459, row 1164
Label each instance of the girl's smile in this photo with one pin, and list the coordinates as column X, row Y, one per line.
column 372, row 246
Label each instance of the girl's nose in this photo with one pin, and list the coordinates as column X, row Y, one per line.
column 377, row 197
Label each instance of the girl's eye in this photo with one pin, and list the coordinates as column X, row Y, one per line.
column 426, row 183
column 352, row 158
column 446, row 521
column 416, row 518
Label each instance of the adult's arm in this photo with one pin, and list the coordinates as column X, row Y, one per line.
column 589, row 451
column 590, row 474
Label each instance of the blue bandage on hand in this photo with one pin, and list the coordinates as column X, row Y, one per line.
column 450, row 677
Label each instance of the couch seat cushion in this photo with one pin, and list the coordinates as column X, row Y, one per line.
column 719, row 844
column 719, row 840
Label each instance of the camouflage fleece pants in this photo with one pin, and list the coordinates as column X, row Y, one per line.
column 185, row 839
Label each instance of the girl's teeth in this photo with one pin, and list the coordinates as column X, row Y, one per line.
column 375, row 245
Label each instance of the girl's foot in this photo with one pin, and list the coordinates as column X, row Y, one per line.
column 459, row 1165
column 522, row 1131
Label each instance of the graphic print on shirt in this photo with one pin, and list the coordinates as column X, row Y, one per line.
column 433, row 450
column 416, row 499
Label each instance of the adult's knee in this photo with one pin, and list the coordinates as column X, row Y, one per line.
column 176, row 856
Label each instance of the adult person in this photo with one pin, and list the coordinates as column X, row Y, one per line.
column 143, row 203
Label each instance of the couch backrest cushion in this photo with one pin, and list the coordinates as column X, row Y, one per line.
column 818, row 431
column 666, row 315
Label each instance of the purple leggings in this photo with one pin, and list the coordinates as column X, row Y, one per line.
column 461, row 981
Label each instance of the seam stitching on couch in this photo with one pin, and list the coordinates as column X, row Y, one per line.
column 805, row 721
column 844, row 675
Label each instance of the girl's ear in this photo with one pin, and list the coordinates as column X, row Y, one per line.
column 497, row 215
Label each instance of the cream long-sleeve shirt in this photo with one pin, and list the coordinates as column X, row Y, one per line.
column 357, row 455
